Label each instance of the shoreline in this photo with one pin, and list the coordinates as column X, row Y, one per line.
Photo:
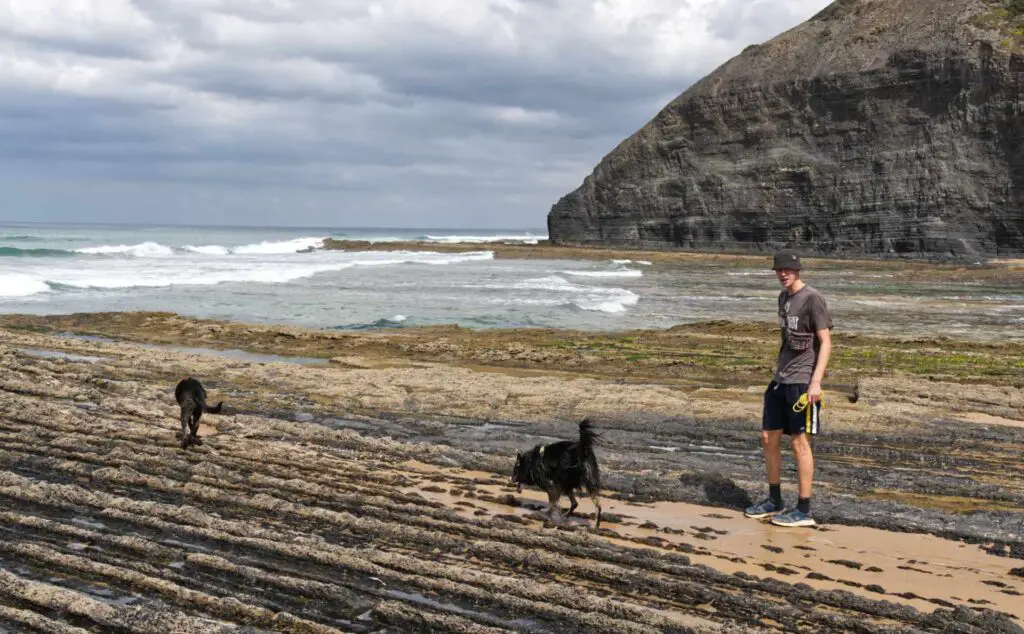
column 406, row 437
column 545, row 250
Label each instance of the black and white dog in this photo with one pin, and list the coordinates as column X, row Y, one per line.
column 561, row 468
column 192, row 398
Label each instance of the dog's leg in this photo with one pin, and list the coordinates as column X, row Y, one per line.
column 572, row 503
column 185, row 416
column 553, row 496
column 597, row 505
column 196, row 440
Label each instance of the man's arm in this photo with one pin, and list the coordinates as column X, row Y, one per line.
column 824, row 351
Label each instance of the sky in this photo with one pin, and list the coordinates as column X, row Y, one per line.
column 369, row 113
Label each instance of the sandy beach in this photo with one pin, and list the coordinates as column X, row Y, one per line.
column 357, row 481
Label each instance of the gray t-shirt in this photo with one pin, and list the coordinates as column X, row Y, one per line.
column 801, row 315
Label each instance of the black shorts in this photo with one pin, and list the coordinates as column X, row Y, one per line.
column 778, row 412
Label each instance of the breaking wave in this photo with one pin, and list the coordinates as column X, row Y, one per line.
column 552, row 290
column 154, row 249
column 156, row 272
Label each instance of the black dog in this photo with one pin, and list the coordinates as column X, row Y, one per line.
column 561, row 468
column 192, row 398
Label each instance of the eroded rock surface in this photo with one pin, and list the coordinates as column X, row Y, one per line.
column 304, row 512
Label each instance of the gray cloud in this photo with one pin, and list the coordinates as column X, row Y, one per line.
column 337, row 112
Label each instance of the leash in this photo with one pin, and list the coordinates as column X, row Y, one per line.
column 802, row 402
column 810, row 416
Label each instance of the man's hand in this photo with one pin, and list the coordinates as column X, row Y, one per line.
column 814, row 392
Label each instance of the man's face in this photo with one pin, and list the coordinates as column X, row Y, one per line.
column 787, row 276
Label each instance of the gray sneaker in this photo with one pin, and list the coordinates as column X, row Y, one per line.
column 763, row 509
column 796, row 517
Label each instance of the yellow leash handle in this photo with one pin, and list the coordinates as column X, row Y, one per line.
column 801, row 403
column 810, row 424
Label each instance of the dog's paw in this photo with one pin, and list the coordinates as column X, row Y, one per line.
column 555, row 519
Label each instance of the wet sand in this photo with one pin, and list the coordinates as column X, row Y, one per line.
column 367, row 492
column 916, row 568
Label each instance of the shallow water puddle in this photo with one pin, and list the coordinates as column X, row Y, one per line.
column 89, row 522
column 889, row 563
column 110, row 594
column 57, row 354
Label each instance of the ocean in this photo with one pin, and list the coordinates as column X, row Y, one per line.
column 277, row 275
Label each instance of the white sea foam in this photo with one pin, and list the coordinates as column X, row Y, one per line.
column 154, row 249
column 608, row 304
column 206, row 269
column 209, row 249
column 453, row 239
column 285, row 246
column 162, row 276
column 383, row 258
column 21, row 285
column 552, row 290
column 142, row 250
column 618, row 273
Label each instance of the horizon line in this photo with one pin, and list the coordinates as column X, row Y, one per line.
column 242, row 226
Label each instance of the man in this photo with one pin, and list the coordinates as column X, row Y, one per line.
column 792, row 401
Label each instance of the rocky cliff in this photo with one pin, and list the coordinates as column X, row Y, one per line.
column 876, row 127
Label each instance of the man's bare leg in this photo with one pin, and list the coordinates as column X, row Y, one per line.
column 772, row 443
column 801, row 515
column 804, row 464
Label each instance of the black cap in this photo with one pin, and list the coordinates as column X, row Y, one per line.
column 787, row 260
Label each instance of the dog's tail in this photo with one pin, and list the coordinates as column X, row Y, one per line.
column 585, row 455
column 213, row 410
column 591, row 480
column 588, row 437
